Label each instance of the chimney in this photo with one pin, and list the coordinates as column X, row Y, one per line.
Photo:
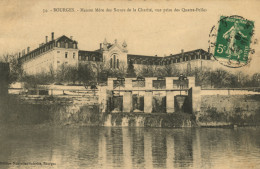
column 100, row 46
column 71, row 37
column 182, row 52
column 52, row 36
column 28, row 49
column 46, row 37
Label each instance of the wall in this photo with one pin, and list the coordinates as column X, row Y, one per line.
column 53, row 58
column 60, row 57
column 229, row 109
column 39, row 63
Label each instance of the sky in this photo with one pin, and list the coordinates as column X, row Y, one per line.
column 24, row 24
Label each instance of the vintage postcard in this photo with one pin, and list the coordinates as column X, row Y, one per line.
column 129, row 84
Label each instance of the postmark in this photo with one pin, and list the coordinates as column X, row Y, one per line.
column 231, row 41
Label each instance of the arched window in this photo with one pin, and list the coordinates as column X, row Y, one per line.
column 114, row 57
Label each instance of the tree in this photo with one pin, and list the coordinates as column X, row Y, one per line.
column 256, row 80
column 147, row 71
column 16, row 70
column 170, row 70
column 86, row 73
column 131, row 69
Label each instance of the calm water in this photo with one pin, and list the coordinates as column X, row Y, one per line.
column 104, row 147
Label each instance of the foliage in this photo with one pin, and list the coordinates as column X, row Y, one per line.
column 15, row 67
column 86, row 73
column 156, row 71
column 104, row 72
column 32, row 81
column 147, row 71
column 206, row 78
column 99, row 72
column 131, row 70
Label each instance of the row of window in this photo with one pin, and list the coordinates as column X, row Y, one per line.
column 114, row 63
column 158, row 84
column 167, row 62
column 37, row 52
column 66, row 45
column 88, row 58
column 64, row 62
column 45, row 48
column 66, row 54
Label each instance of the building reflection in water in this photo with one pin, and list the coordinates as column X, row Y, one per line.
column 137, row 146
column 145, row 148
column 159, row 149
column 116, row 147
column 183, row 156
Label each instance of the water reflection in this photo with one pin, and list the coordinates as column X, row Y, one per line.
column 116, row 147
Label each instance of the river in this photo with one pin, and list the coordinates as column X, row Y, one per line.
column 126, row 147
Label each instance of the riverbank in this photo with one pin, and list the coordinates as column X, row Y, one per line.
column 76, row 111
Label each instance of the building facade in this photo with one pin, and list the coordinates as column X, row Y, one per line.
column 64, row 51
column 50, row 55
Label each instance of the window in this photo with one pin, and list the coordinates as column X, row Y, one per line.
column 111, row 63
column 94, row 58
column 114, row 61
column 66, row 62
column 58, row 61
column 73, row 55
column 117, row 63
column 58, row 51
column 66, row 54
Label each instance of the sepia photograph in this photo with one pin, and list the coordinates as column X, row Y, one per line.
column 129, row 84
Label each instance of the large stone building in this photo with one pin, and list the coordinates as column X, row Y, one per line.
column 64, row 51
column 49, row 55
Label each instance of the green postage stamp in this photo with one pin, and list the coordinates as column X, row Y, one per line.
column 233, row 39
